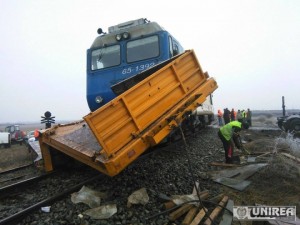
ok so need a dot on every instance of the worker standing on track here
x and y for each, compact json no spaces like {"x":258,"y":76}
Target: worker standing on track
{"x":229,"y":137}
{"x":239,"y":116}
{"x":244,"y":114}
{"x":249,"y":117}
{"x":220,"y":117}
{"x":226,"y":115}
{"x":233,"y":115}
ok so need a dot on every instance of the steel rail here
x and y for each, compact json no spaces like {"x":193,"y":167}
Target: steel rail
{"x":45,"y":202}
{"x":17,"y":168}
{"x":24,"y":182}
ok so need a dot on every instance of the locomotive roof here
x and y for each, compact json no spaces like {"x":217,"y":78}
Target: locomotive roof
{"x":134,"y":30}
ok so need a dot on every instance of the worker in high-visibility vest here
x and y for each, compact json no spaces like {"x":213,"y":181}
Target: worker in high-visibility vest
{"x":229,"y":134}
{"x":244,"y":114}
{"x":239,"y":116}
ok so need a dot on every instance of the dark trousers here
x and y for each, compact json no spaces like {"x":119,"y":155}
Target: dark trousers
{"x":227,"y":147}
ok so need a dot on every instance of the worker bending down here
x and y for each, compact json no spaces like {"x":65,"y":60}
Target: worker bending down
{"x":229,"y":135}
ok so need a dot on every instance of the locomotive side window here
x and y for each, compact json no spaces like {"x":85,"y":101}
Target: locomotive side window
{"x":106,"y":57}
{"x":171,"y":46}
{"x":144,"y":48}
{"x":175,"y":49}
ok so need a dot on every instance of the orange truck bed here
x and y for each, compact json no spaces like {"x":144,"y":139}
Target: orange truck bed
{"x":112,"y":137}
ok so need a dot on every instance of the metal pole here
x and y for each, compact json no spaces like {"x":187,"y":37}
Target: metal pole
{"x":283,"y":106}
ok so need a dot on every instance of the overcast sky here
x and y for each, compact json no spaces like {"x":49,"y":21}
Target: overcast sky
{"x":251,"y":48}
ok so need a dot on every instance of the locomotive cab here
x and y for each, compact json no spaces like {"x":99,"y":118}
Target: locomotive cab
{"x":126,"y":50}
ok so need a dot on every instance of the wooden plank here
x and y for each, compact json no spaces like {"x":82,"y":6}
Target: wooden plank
{"x":223,"y":164}
{"x":190,"y":216}
{"x":262,"y":155}
{"x":216,"y":211}
{"x":179,"y":212}
{"x":199,"y":217}
{"x":169,"y":204}
{"x":227,"y":216}
{"x":204,"y":195}
{"x":291,"y":157}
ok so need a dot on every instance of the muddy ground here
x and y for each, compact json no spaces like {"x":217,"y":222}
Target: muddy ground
{"x":277,"y":184}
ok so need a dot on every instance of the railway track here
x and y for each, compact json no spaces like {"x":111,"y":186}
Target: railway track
{"x":22,"y":197}
{"x":166,"y":171}
{"x":18,"y":174}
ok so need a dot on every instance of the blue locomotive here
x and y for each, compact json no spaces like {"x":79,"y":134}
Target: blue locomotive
{"x":126,"y":50}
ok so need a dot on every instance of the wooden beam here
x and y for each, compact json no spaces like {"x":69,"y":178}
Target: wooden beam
{"x":267,"y":153}
{"x":190,"y":216}
{"x":179,"y":212}
{"x":199,"y":217}
{"x":216,"y":211}
{"x":291,"y":157}
{"x":223,"y":164}
{"x":169,"y":204}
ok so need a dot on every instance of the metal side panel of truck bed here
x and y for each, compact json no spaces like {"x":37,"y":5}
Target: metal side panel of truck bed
{"x":112,"y":137}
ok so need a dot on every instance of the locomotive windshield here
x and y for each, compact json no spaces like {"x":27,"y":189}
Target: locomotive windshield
{"x":106,"y":57}
{"x":136,"y":50}
{"x":143,"y":48}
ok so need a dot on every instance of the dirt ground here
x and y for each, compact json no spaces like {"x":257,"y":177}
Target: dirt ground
{"x":17,"y":155}
{"x":277,"y":184}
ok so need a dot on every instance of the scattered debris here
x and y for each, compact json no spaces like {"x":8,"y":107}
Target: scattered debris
{"x":179,"y":212}
{"x":216,"y":211}
{"x":180,"y":199}
{"x":291,"y":157}
{"x":102,"y":212}
{"x":227,"y":216}
{"x":87,"y":196}
{"x":236,"y":177}
{"x":193,"y":210}
{"x":199,"y":217}
{"x":138,"y":197}
{"x":190,"y":215}
{"x":239,"y":185}
{"x":224,"y":164}
{"x":46,"y":209}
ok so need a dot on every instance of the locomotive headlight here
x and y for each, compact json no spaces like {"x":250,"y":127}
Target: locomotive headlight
{"x":98,"y":99}
{"x":126,"y":35}
{"x":118,"y":37}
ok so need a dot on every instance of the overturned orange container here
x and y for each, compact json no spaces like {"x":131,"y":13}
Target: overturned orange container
{"x":112,"y":137}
